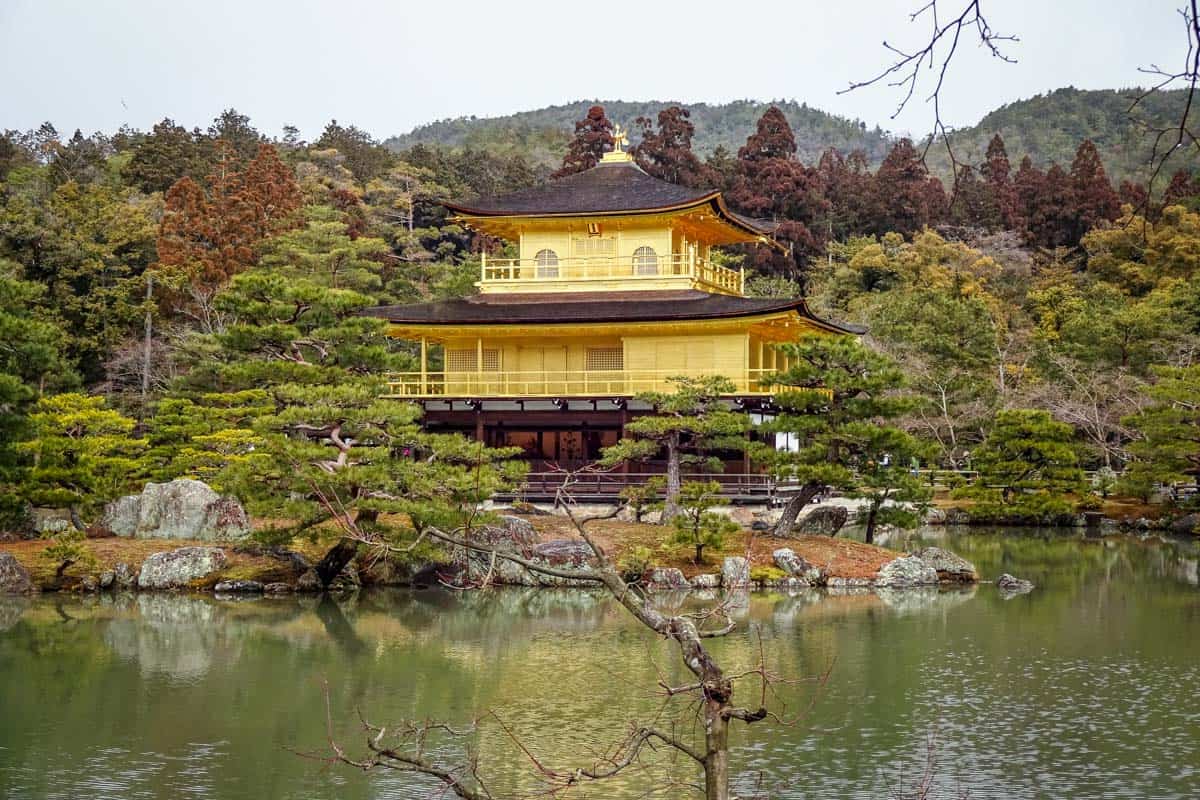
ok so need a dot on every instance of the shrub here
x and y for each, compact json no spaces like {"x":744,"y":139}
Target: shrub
{"x":695,"y":525}
{"x":66,"y":549}
{"x":766,"y":574}
{"x":635,"y":563}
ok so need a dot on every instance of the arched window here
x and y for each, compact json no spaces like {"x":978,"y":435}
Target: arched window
{"x":645,"y":261}
{"x":547,"y":263}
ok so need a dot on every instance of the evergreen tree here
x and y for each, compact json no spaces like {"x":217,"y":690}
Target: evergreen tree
{"x":907,"y":197}
{"x":1003,"y":197}
{"x":1181,"y":187}
{"x":593,"y":138}
{"x":83,"y":455}
{"x":236,"y":132}
{"x":686,"y":421}
{"x":833,"y":395}
{"x":696,"y":525}
{"x":32,"y":362}
{"x":1169,"y":450}
{"x":365,"y":157}
{"x":886,"y":476}
{"x":1026,"y":467}
{"x":666,"y":153}
{"x":1095,"y":200}
{"x":165,"y":155}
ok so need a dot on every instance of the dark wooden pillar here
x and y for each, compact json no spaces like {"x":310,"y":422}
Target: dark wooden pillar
{"x":622,"y":418}
{"x":479,"y":425}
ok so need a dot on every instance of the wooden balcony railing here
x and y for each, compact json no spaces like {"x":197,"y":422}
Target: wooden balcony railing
{"x":527,"y":271}
{"x":554,"y":383}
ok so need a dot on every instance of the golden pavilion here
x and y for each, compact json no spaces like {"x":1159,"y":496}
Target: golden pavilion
{"x":614,"y":291}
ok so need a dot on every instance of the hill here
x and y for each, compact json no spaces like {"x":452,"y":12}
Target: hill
{"x":1047,"y":127}
{"x":542,"y":134}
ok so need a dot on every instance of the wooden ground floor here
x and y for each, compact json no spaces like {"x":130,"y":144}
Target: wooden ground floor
{"x":560,"y":435}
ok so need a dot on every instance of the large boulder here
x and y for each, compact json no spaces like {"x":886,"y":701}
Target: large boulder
{"x":666,"y":579}
{"x":950,"y":567}
{"x":519,"y":529}
{"x":706,"y":580}
{"x":176,"y":569}
{"x":50,"y":520}
{"x":563,"y":553}
{"x":179,"y":509}
{"x":797,"y":568}
{"x":14,"y":578}
{"x":821,"y":521}
{"x":906,"y":571}
{"x":735,"y":572}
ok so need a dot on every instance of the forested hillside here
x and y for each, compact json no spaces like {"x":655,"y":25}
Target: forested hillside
{"x":543,"y":134}
{"x":1047,"y":128}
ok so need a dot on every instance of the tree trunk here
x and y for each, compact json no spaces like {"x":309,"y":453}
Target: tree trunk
{"x":77,"y":520}
{"x":341,"y":554}
{"x":871,"y":524}
{"x":671,"y":502}
{"x":716,"y":751}
{"x":792,"y":510}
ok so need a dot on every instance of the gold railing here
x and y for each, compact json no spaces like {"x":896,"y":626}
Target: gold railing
{"x":555,"y":383}
{"x":518,"y":271}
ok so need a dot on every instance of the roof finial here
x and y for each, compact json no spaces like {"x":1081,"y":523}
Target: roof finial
{"x":618,"y":152}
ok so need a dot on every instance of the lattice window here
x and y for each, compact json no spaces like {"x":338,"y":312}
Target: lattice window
{"x":547,"y":263}
{"x":595,"y":247}
{"x":468,"y":360}
{"x":605,"y":359}
{"x":461,"y":360}
{"x":645,"y":261}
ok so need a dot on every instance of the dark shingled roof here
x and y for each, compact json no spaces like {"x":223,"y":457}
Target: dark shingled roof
{"x":606,"y":188}
{"x":640,"y":306}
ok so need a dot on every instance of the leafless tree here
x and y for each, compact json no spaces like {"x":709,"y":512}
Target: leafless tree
{"x":946,"y":32}
{"x":1180,"y":136}
{"x":906,"y":72}
{"x":710,"y":694}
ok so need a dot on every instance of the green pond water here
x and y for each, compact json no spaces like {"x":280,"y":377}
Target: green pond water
{"x":1085,"y":688}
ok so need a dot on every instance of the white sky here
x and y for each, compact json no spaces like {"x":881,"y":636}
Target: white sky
{"x":389,"y":65}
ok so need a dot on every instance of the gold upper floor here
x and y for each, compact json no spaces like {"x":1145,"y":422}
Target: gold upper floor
{"x":578,"y":254}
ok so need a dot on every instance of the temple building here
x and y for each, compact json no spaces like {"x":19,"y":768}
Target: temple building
{"x":614,"y":291}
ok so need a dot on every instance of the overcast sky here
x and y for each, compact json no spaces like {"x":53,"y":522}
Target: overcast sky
{"x":388,"y":65}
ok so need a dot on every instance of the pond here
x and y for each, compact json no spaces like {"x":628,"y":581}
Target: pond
{"x":1084,"y":688}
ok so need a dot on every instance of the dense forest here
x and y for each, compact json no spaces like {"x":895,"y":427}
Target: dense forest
{"x":1047,"y":128}
{"x":184,"y":302}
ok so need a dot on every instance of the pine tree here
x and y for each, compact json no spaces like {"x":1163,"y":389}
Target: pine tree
{"x":686,"y":421}
{"x":167,"y":154}
{"x":1169,"y":450}
{"x":696,"y":525}
{"x":593,"y":138}
{"x":886,"y":476}
{"x":32,"y":362}
{"x":83,"y":455}
{"x":1026,"y":467}
{"x":833,"y":395}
